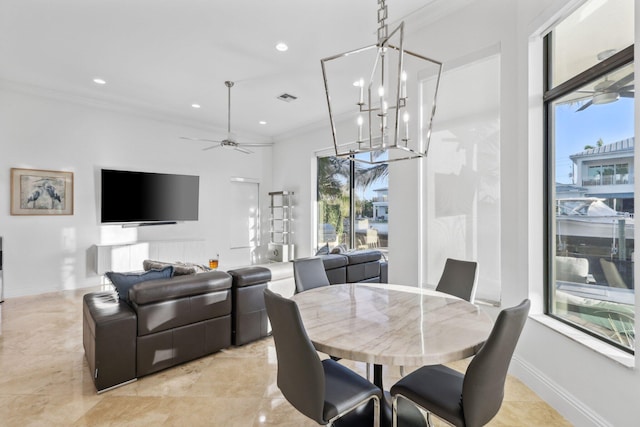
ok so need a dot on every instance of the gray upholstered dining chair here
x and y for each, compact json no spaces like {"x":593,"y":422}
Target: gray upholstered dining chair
{"x":474,"y":398}
{"x":459,"y":279}
{"x":322,"y":390}
{"x":309,"y":273}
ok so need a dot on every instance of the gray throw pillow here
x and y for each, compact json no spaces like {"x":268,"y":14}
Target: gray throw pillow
{"x":323,"y":250}
{"x":340,"y":249}
{"x":179,"y":268}
{"x":124,"y":281}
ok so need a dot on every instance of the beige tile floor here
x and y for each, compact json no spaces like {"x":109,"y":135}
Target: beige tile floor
{"x":45,"y":380}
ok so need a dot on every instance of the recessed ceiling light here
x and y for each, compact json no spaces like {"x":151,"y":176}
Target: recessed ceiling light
{"x":282,"y":47}
{"x":99,"y":81}
{"x":195,"y":105}
{"x":262,"y":122}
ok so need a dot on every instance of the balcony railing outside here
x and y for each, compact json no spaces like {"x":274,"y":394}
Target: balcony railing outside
{"x":608,"y":180}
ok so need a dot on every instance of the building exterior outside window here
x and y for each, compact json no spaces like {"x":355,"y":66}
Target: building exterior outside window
{"x":607,"y":172}
{"x":589,"y":107}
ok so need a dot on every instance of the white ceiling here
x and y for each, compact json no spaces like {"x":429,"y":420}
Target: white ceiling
{"x":161,"y":56}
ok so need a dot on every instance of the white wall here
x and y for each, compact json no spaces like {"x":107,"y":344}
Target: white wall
{"x":49,"y":253}
{"x":294,"y":170}
{"x":585,"y":386}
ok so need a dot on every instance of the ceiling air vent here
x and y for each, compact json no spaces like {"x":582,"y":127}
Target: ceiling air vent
{"x":287,"y":97}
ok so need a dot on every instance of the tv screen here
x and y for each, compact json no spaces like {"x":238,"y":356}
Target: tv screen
{"x":148,"y":197}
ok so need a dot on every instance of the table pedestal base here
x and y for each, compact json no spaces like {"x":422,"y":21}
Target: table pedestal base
{"x":408,"y":414}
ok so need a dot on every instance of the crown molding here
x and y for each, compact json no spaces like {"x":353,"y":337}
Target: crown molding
{"x":430,"y":13}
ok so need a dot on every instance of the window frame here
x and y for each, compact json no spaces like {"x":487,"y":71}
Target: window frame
{"x":618,"y":60}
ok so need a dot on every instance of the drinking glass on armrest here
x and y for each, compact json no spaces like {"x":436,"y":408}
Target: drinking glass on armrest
{"x":213,"y":262}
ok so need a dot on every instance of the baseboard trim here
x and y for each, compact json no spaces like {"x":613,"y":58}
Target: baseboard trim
{"x":559,"y":398}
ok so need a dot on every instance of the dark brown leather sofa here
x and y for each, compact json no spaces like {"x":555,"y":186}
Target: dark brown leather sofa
{"x":169,"y":321}
{"x":355,"y":266}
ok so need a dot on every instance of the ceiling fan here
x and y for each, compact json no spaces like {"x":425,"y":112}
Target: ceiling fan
{"x":230,"y":141}
{"x":608,"y":91}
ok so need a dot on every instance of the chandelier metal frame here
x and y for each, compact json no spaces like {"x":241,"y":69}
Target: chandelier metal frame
{"x":379,"y":138}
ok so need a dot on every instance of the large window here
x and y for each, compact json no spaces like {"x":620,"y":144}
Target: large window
{"x":590,"y":142}
{"x":353,"y":208}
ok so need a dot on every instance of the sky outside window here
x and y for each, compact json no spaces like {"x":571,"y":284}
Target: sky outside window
{"x":576,"y":129}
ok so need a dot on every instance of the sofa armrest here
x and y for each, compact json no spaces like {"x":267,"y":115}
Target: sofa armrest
{"x":249,"y":312}
{"x":109,"y":339}
{"x":249,"y":276}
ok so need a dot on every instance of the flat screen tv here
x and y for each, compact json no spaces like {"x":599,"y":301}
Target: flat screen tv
{"x":148,"y":198}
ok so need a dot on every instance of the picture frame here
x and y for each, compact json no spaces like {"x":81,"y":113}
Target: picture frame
{"x":41,"y":192}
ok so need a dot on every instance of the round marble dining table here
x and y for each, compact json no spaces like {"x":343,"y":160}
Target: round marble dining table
{"x":388,"y":324}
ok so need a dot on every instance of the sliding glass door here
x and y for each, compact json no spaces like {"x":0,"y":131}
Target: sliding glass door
{"x":353,"y":206}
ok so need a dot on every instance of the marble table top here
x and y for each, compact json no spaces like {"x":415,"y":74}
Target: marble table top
{"x":392,"y":324}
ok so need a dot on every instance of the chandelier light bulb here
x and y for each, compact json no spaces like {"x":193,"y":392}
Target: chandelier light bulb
{"x":405,"y":118}
{"x":403,"y":85}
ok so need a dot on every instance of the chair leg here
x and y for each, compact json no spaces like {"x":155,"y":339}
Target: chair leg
{"x":402,"y":370}
{"x":376,"y":409}
{"x":394,"y":412}
{"x":377,"y":414}
{"x":368,"y":368}
{"x":429,"y":423}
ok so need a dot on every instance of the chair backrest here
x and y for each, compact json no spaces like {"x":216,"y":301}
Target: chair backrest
{"x":309,"y":273}
{"x":459,"y":279}
{"x":300,"y":372}
{"x":483,"y":387}
{"x":612,"y":274}
{"x":572,"y":269}
{"x":372,"y":239}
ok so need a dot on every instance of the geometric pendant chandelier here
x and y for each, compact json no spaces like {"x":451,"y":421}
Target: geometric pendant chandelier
{"x":381,"y":98}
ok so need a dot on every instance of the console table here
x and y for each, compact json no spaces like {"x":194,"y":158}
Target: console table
{"x":129,"y":256}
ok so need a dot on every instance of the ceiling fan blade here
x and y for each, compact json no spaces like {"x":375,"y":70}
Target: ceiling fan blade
{"x":587,"y":104}
{"x":212,"y":147}
{"x":622,"y":82}
{"x":626,"y":88}
{"x":242,"y":150}
{"x":627,"y":94}
{"x":579,"y":98}
{"x":200,"y":139}
{"x":256,"y":144}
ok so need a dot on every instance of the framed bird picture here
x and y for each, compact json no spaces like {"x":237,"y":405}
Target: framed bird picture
{"x":41,"y":192}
